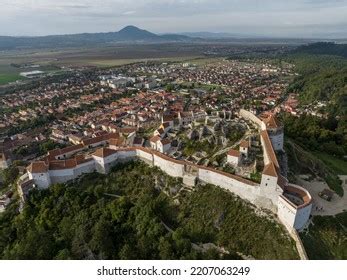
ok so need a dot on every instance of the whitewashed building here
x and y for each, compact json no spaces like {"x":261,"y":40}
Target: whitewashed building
{"x":234,"y":157}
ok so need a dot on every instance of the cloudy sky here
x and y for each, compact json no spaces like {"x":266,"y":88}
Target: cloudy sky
{"x":284,"y":18}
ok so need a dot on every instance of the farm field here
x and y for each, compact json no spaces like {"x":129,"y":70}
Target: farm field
{"x":8,"y":73}
{"x":100,"y":57}
{"x":9,"y":78}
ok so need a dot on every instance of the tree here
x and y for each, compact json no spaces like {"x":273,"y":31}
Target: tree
{"x":10,"y":175}
{"x":169,"y":87}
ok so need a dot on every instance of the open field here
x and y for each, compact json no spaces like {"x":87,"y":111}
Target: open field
{"x":52,"y":60}
{"x":9,"y":78}
{"x":8,"y":73}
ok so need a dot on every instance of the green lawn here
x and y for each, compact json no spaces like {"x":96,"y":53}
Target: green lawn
{"x":8,"y":78}
{"x":338,"y":165}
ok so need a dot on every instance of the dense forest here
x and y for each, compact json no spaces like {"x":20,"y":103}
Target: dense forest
{"x":317,"y":134}
{"x":323,"y":48}
{"x":319,"y":145}
{"x":137,"y":212}
{"x":322,"y":69}
{"x":321,"y":78}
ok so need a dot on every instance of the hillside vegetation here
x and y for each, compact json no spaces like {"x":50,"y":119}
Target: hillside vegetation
{"x":303,"y":161}
{"x":322,"y":69}
{"x":321,"y":78}
{"x":326,"y":238}
{"x":124,"y":216}
{"x":323,"y":48}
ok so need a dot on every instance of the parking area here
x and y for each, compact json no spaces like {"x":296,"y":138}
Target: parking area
{"x":321,"y":206}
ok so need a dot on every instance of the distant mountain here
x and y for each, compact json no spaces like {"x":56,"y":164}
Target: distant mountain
{"x":127,"y":34}
{"x":132,"y":33}
{"x":216,"y":35}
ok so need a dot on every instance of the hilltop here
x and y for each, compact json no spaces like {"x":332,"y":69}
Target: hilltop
{"x":126,"y":215}
{"x":125,"y":35}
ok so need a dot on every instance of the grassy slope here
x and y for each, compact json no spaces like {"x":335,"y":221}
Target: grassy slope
{"x":302,"y":161}
{"x":339,"y":165}
{"x":326,"y":238}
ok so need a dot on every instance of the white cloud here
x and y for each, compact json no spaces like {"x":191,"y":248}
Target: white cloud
{"x":128,"y":13}
{"x":25,"y":17}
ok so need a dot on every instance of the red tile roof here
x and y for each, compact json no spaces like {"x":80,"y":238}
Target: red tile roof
{"x":165,"y":141}
{"x":104,"y":152}
{"x":272,"y":122}
{"x":62,"y":164}
{"x":100,"y":139}
{"x":270,"y":170}
{"x":161,"y":131}
{"x":268,"y":146}
{"x":38,"y":167}
{"x":117,"y":141}
{"x":244,"y":144}
{"x":155,"y":139}
{"x":234,"y":153}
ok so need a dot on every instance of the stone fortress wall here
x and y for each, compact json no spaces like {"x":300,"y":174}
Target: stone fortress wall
{"x":291,"y":203}
{"x":294,"y":203}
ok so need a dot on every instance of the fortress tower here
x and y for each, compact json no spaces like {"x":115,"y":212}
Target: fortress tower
{"x":275,"y":130}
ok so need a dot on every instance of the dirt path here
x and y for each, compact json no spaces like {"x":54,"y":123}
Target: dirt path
{"x":330,"y":208}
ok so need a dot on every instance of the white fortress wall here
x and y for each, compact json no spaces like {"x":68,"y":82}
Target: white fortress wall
{"x":126,"y":155}
{"x":61,"y":175}
{"x":69,"y":154}
{"x":249,"y":116}
{"x":99,"y":164}
{"x":42,"y":180}
{"x":84,"y":168}
{"x":269,"y":194}
{"x":266,"y":156}
{"x":145,"y":156}
{"x":303,"y":211}
{"x":286,"y":212}
{"x":171,"y":168}
{"x":245,"y":191}
{"x":291,"y":215}
{"x":270,"y":189}
{"x":277,"y":141}
{"x":302,"y":216}
{"x":121,"y":156}
{"x":105,"y":164}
